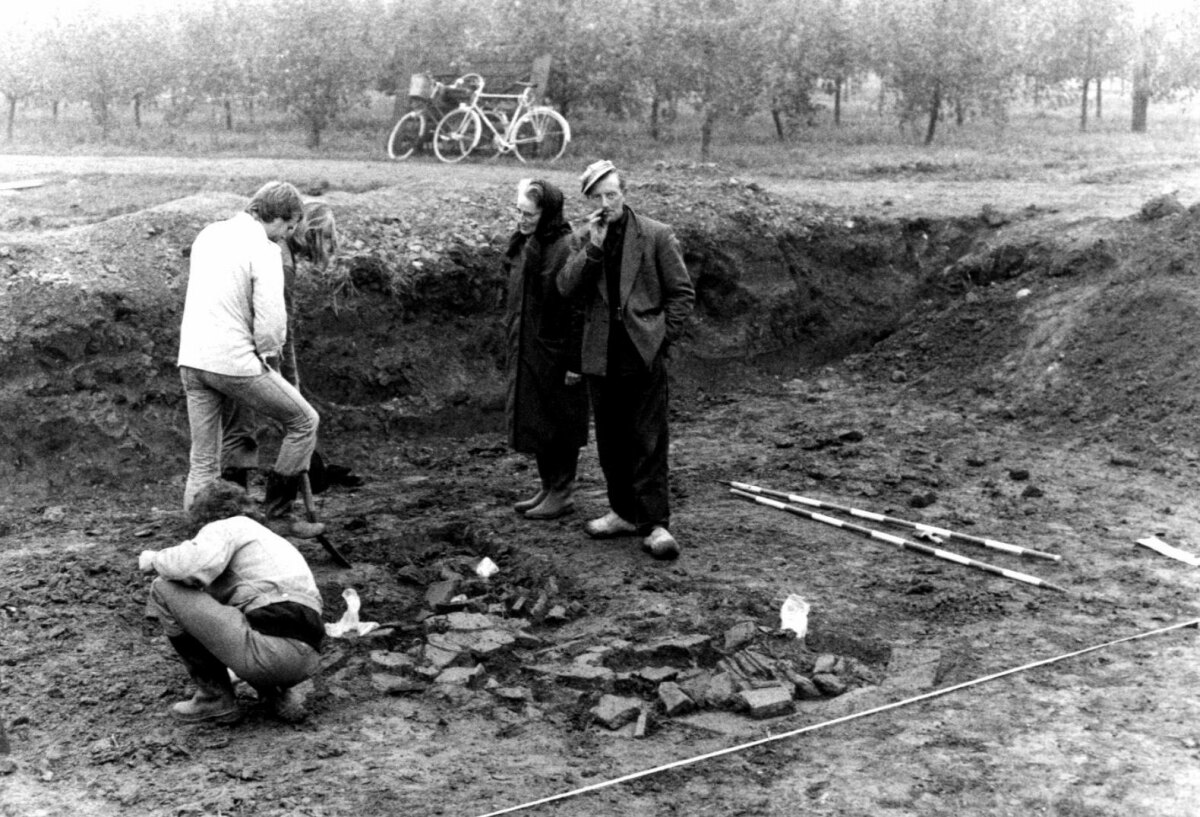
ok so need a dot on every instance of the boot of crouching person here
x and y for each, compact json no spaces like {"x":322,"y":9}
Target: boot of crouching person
{"x":214,"y":700}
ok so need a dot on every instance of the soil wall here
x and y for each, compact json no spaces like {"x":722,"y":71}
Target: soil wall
{"x":406,"y":331}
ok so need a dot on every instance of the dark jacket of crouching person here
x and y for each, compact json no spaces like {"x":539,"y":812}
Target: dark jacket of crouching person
{"x":236,"y":597}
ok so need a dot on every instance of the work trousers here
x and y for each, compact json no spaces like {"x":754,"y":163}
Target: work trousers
{"x":260,"y":660}
{"x":557,"y":467}
{"x":214,"y":399}
{"x":629,"y":407}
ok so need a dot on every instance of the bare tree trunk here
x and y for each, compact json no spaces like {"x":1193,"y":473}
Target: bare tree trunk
{"x":137,"y":111}
{"x":100,"y":114}
{"x":1099,"y":100}
{"x":837,"y":101}
{"x":776,"y":115}
{"x":54,"y":111}
{"x":654,"y":103}
{"x":706,"y":132}
{"x":935,"y":110}
{"x":12,"y":114}
{"x":228,"y":114}
{"x":1083,"y":108}
{"x":1141,"y":98}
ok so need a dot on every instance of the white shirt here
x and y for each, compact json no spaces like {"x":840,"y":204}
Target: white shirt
{"x":234,"y":314}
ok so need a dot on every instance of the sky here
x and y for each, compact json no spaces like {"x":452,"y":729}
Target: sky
{"x":12,"y":10}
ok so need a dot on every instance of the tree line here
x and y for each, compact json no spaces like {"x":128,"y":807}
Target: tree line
{"x":937,"y":60}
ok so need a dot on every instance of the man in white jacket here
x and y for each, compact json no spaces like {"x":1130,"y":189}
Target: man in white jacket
{"x":233,"y":331}
{"x":236,"y":597}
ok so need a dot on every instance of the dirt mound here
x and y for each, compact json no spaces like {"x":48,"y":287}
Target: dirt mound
{"x":1089,"y":328}
{"x":406,"y":330}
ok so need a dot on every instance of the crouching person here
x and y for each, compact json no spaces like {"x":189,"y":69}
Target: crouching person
{"x":236,"y":597}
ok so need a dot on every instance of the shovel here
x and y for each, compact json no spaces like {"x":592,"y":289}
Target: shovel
{"x":306,"y":487}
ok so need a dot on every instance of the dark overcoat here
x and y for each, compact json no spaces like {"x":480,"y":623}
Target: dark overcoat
{"x":544,"y":331}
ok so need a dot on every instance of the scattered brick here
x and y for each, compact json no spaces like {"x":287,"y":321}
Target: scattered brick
{"x":831,"y":685}
{"x":390,"y":684}
{"x":656,"y":675}
{"x":739,"y":635}
{"x":462,"y":676}
{"x":824,"y":664}
{"x":439,"y":594}
{"x":769,"y":702}
{"x":615,"y":711}
{"x":806,"y":690}
{"x":674,"y":700}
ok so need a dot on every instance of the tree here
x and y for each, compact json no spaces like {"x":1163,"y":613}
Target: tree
{"x":217,"y":55}
{"x":105,"y":56}
{"x":1167,"y":60}
{"x":960,"y":53}
{"x":20,"y":77}
{"x":838,"y":49}
{"x":718,"y":59}
{"x":1078,"y":41}
{"x":320,"y":58}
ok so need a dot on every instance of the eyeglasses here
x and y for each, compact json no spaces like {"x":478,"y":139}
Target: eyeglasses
{"x":528,"y":213}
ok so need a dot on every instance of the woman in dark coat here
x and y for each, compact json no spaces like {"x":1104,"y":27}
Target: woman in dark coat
{"x":547,"y":403}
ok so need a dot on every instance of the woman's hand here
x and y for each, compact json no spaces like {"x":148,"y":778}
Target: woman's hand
{"x":572,"y":379}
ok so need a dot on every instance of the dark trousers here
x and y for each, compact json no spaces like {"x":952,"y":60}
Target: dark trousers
{"x":630,"y":410}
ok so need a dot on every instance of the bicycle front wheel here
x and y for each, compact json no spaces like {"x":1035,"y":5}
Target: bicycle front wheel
{"x":407,"y":135}
{"x":542,"y":133}
{"x":457,"y":135}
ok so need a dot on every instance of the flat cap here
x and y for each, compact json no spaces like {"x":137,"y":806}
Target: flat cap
{"x":594,"y":173}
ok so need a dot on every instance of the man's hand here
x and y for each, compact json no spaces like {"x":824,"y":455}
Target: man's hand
{"x":572,"y":379}
{"x":146,"y":561}
{"x":598,"y":228}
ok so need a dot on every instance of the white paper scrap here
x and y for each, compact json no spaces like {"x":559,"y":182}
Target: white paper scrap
{"x":349,"y":622}
{"x":794,"y":615}
{"x":1156,"y":544}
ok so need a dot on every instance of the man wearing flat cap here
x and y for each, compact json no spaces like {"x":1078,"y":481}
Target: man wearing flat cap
{"x":636,"y":295}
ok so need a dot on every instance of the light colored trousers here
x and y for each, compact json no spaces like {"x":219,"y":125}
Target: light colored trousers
{"x":214,"y":399}
{"x":260,"y":660}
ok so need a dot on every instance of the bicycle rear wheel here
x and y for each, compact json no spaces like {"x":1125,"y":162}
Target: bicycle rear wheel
{"x":541,"y":133}
{"x":457,"y":135}
{"x":410,"y":131}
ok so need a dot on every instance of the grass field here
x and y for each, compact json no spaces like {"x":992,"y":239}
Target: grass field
{"x":1033,"y":144}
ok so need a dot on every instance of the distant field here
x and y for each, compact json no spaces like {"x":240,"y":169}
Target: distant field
{"x":1033,"y":144}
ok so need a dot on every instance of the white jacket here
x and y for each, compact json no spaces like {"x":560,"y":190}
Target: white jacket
{"x":234,"y":314}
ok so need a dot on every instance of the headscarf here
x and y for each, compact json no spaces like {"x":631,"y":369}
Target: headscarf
{"x":550,"y":226}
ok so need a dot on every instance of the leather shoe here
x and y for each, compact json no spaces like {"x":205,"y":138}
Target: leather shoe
{"x":608,"y":526}
{"x":556,"y":504}
{"x":661,"y":544}
{"x":531,"y":503}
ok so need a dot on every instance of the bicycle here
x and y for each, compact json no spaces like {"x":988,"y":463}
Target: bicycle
{"x":532,"y":131}
{"x":430,"y":100}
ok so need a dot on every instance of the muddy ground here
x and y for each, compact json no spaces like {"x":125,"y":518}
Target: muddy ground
{"x":933,"y":349}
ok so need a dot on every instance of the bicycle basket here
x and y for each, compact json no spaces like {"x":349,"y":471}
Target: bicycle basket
{"x":421,"y":86}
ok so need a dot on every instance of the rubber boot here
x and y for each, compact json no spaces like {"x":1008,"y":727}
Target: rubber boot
{"x":556,"y":503}
{"x":238,"y":476}
{"x":280,"y":494}
{"x":533,"y":501}
{"x":277,"y":508}
{"x":214,"y":699}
